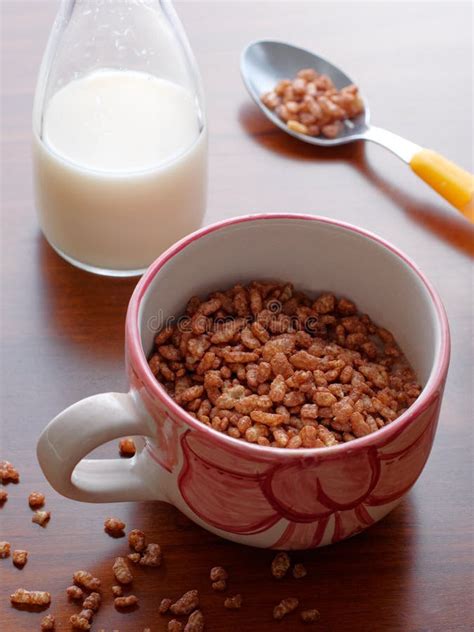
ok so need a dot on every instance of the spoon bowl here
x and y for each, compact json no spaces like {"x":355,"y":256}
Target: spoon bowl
{"x":265,"y":62}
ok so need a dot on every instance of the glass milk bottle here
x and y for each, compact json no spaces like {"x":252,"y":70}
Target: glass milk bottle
{"x":120,"y":137}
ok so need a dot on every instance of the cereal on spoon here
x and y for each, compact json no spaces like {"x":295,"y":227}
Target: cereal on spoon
{"x":311,"y":104}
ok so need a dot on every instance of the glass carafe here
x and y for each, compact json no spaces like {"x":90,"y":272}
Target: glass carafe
{"x":120,"y":137}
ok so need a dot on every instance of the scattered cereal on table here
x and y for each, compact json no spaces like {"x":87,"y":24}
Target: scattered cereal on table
{"x":151,"y":555}
{"x":164,"y":605}
{"x":219,"y":585}
{"x":86,"y":580}
{"x":137,"y":540}
{"x":195,"y":622}
{"x":134,"y":557}
{"x":30,"y":597}
{"x":4,"y":549}
{"x":79,"y":623}
{"x":121,"y":571}
{"x":186,"y":604}
{"x":48,"y":623}
{"x":218,"y":572}
{"x":127,"y":447}
{"x":233,"y":603}
{"x":299,"y":571}
{"x":310,"y":616}
{"x":117,"y":591}
{"x":126,"y":602}
{"x":20,"y":557}
{"x":92,"y":602}
{"x":36,"y":499}
{"x":280,"y":564}
{"x":285,"y":607}
{"x":175,"y":626}
{"x":8,"y":473}
{"x":114,"y":527}
{"x":86,"y":613}
{"x":3,"y":496}
{"x":75,"y":593}
{"x":41,"y":517}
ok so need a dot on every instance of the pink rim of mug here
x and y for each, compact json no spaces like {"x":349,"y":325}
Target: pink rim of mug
{"x":387,"y":433}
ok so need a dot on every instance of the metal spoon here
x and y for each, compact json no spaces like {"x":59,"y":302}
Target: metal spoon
{"x":265,"y":62}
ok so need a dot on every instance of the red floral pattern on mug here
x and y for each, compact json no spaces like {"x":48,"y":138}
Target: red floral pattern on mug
{"x":312,"y":494}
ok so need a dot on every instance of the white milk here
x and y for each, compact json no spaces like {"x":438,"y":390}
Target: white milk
{"x":120,"y":171}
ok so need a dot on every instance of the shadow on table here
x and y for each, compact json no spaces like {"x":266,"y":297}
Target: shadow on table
{"x":440,"y":220}
{"x":83,"y":309}
{"x":273,"y":139}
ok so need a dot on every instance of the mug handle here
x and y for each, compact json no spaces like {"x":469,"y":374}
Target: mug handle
{"x":81,"y":428}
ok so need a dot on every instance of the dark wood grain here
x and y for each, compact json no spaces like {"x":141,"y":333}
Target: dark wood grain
{"x":62,"y":329}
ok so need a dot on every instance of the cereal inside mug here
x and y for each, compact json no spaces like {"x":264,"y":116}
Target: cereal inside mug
{"x":270,"y":365}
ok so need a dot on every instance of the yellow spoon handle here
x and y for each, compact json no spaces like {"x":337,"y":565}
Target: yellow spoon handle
{"x":455,"y":184}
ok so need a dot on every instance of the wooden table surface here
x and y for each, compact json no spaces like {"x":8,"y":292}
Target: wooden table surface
{"x":62,"y":330}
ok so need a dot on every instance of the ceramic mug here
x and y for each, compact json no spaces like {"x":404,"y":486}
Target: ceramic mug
{"x":256,"y":495}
